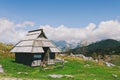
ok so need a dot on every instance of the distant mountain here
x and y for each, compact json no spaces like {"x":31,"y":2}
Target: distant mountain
{"x":63,"y":44}
{"x":108,"y":46}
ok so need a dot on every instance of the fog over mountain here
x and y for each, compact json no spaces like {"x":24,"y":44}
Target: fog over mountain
{"x":63,"y":45}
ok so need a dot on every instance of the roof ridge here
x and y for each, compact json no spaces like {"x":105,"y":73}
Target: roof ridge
{"x":35,"y":30}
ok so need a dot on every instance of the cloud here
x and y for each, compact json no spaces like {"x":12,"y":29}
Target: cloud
{"x":69,"y":34}
{"x":108,"y":29}
{"x":8,"y":31}
{"x":92,"y":32}
{"x":11,"y":33}
{"x":25,"y":24}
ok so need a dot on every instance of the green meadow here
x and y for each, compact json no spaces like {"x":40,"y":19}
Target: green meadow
{"x":78,"y":68}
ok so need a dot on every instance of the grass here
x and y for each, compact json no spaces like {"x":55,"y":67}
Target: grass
{"x":80,"y":69}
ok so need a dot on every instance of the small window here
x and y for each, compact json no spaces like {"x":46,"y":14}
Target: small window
{"x":37,"y":56}
{"x":52,"y":55}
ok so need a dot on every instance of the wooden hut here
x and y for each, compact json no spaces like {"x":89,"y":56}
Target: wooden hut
{"x":35,"y":49}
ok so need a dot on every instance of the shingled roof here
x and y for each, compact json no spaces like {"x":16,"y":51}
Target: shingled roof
{"x":34,"y":42}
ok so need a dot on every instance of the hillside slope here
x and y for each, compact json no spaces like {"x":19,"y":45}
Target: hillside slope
{"x":108,"y":46}
{"x":78,"y":68}
{"x":5,"y":51}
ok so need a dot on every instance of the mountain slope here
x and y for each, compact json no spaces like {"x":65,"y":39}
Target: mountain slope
{"x":108,"y":46}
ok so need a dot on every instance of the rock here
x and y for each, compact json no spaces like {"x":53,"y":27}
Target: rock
{"x":96,"y":60}
{"x":1,"y":69}
{"x":59,"y":60}
{"x":26,"y":73}
{"x":55,"y":75}
{"x":62,"y":54}
{"x":8,"y":78}
{"x":68,"y":76}
{"x":87,"y":65}
{"x":11,"y":79}
{"x":60,"y":76}
{"x":65,"y":61}
{"x":84,"y":57}
{"x":80,"y":55}
{"x":71,"y":54}
{"x":19,"y":73}
{"x":46,"y":68}
{"x":109,"y":64}
{"x":87,"y":58}
{"x":114,"y":75}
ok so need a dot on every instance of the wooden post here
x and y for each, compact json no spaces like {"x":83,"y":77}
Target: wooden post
{"x":48,"y":60}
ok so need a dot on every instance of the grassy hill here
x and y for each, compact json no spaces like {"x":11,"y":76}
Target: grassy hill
{"x":5,"y":51}
{"x":77,"y":67}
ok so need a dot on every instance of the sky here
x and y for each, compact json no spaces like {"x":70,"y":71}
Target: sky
{"x":69,"y":20}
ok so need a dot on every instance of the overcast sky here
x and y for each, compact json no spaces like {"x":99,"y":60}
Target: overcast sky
{"x":70,"y":20}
